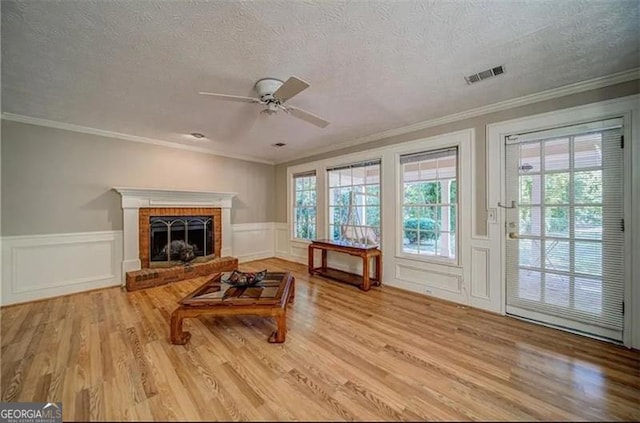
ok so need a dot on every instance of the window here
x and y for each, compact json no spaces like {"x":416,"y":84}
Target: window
{"x":429,"y":203}
{"x":354,"y":202}
{"x":304,"y":209}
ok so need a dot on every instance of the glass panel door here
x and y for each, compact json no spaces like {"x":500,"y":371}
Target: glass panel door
{"x":565,"y":257}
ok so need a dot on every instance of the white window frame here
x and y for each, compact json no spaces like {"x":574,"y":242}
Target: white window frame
{"x":446,"y":280}
{"x":401,"y":205}
{"x":292,"y":205}
{"x":464,"y":205}
{"x":327,"y":169}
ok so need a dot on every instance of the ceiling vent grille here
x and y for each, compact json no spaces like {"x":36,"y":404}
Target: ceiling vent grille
{"x":481,"y":76}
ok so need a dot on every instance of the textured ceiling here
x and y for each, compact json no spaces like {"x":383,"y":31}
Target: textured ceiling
{"x":136,"y":67}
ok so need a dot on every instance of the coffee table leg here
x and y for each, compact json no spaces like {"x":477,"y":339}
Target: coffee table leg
{"x":292,"y":295}
{"x":278,"y":336}
{"x":178,"y":337}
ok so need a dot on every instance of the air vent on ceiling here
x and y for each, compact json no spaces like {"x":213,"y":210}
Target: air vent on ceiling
{"x":279,"y":144}
{"x":480,"y":76}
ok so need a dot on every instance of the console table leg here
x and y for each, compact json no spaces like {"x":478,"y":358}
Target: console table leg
{"x":178,"y":337}
{"x":278,"y":336}
{"x":310,"y":259}
{"x":379,"y":269}
{"x":366,"y":283}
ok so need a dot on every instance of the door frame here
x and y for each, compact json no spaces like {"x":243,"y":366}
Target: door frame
{"x":628,"y":108}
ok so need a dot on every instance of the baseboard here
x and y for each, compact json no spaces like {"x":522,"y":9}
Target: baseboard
{"x":255,"y":256}
{"x":291,"y":258}
{"x":43,"y":266}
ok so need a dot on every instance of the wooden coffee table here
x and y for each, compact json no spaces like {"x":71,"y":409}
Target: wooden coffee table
{"x":269,"y":297}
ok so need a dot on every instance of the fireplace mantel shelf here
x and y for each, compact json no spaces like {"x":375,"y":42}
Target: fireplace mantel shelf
{"x":156,"y":197}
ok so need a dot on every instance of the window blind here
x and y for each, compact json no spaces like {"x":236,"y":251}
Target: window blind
{"x":428,"y":155}
{"x":354,"y":165}
{"x":304,"y":174}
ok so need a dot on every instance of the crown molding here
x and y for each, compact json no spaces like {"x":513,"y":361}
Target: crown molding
{"x":126,"y":137}
{"x":578,"y":87}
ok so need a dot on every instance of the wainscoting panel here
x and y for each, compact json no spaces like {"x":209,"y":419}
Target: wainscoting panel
{"x":480,"y":271}
{"x":42,"y":266}
{"x":430,"y":279}
{"x":253,"y":241}
{"x":299,"y":251}
{"x":485,"y":275}
{"x":282,"y":240}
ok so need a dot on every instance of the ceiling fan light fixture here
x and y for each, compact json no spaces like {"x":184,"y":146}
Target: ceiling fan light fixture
{"x":273,"y":93}
{"x":270,"y":110}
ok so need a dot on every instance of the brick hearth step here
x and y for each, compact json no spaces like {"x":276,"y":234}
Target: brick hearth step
{"x":148,"y":278}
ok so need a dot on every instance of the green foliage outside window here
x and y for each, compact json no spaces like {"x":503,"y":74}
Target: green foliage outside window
{"x":305,"y":207}
{"x":587,"y":191}
{"x":426,"y":226}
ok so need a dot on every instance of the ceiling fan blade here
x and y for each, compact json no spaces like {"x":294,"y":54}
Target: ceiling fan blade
{"x":237,"y":98}
{"x":291,"y":87}
{"x":309,"y":117}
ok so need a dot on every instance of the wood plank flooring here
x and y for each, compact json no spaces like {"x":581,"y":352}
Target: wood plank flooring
{"x":349,"y":355}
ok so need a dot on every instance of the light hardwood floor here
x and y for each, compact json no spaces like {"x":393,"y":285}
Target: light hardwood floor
{"x":349,"y":355}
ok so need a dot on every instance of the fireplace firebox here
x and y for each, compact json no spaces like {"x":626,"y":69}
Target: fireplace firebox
{"x":168,"y":231}
{"x":160,"y":227}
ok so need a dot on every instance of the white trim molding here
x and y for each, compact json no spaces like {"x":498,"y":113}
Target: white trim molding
{"x":156,"y":197}
{"x":42,"y":266}
{"x":628,"y":108}
{"x":135,"y":198}
{"x":126,"y":137}
{"x":578,"y":87}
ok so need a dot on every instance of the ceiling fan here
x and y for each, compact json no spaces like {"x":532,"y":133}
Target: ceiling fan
{"x":273,"y":93}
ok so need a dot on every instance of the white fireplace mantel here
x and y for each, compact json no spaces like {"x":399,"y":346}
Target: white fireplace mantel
{"x":135,"y":198}
{"x":153,"y":197}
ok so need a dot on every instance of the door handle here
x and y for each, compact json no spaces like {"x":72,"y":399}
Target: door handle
{"x":513,"y":235}
{"x":513,"y":205}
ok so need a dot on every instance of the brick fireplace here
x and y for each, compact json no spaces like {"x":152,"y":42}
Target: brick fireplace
{"x":139,"y":205}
